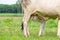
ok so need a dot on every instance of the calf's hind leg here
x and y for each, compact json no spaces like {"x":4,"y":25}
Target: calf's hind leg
{"x":25,"y":23}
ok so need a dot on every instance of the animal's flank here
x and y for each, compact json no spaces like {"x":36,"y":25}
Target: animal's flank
{"x":25,"y":3}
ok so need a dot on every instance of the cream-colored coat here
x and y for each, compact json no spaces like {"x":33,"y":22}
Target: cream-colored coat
{"x":43,"y":10}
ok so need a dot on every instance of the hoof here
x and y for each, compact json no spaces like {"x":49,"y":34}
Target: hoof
{"x":58,"y":36}
{"x":26,"y":35}
{"x":40,"y":35}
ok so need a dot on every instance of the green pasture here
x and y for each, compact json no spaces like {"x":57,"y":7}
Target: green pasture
{"x":10,"y":28}
{"x":11,"y":14}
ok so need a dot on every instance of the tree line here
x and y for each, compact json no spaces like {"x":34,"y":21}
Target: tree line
{"x":10,"y":8}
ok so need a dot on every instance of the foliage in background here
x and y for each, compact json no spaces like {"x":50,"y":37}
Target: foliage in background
{"x":14,"y":8}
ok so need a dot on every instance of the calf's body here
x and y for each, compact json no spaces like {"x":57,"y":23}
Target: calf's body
{"x":43,"y":10}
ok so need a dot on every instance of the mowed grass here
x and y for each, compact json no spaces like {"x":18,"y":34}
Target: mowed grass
{"x":10,"y":29}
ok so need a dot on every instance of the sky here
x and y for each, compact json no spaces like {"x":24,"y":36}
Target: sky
{"x":8,"y":2}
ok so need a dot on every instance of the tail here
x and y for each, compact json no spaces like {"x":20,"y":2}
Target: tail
{"x":22,"y":27}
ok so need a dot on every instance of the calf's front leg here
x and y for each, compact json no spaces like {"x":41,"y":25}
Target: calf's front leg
{"x":58,"y":31}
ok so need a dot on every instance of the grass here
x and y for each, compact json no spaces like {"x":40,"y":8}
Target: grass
{"x":10,"y":29}
{"x":11,"y":14}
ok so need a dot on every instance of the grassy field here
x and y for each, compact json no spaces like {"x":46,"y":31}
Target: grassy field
{"x":10,"y":29}
{"x":11,"y":14}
